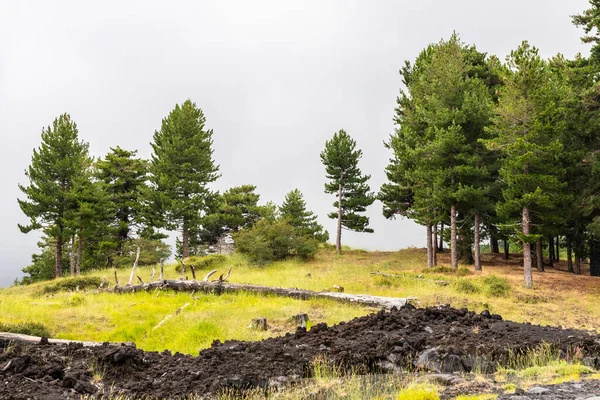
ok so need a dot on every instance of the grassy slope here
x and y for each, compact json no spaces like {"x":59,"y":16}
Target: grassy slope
{"x":559,"y":299}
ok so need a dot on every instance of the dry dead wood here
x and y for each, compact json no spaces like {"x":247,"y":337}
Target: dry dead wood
{"x":28,"y":339}
{"x":220,"y":287}
{"x":137,"y":258}
{"x":168,"y":317}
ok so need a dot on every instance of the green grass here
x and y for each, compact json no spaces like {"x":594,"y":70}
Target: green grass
{"x":26,"y":328}
{"x":95,"y":316}
{"x":419,"y":392}
{"x":567,"y":300}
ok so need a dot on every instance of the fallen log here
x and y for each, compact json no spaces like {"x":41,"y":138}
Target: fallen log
{"x":220,"y":287}
{"x":28,"y":339}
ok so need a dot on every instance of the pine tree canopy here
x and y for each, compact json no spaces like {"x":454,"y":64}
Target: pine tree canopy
{"x":54,"y":166}
{"x":340,"y":158}
{"x":181,"y":168}
{"x":294,"y":210}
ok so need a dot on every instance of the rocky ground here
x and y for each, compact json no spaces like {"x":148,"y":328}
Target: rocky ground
{"x":438,"y":339}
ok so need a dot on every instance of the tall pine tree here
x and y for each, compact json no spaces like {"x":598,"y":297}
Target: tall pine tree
{"x":181,"y":168}
{"x":525,"y":132}
{"x":340,"y":158}
{"x":54,"y":166}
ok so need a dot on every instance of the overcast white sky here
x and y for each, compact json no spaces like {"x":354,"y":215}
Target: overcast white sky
{"x":274,"y":78}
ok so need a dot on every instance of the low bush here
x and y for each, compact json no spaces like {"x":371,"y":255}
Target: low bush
{"x":466,"y":286}
{"x":26,"y":328}
{"x":71,"y":284}
{"x":496,"y":287}
{"x":270,"y":240}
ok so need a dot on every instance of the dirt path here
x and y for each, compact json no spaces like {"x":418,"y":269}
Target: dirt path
{"x":439,"y":339}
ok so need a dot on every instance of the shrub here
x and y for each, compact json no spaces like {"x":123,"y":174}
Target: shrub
{"x":26,"y":328}
{"x":495,"y":286}
{"x":71,"y":284}
{"x":465,"y":286}
{"x":270,"y":240}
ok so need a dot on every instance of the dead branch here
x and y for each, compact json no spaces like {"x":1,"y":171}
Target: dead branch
{"x":162,"y":264}
{"x":211,"y":273}
{"x":137,"y":258}
{"x":141,"y":280}
{"x":169,"y":316}
{"x":221,"y":279}
{"x":153,"y":273}
{"x":28,"y":339}
{"x":193,"y":272}
{"x":7,"y":366}
{"x":116,"y":279}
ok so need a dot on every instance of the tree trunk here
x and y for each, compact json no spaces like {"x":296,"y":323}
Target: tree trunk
{"x":577,"y":266}
{"x":557,"y":253}
{"x":551,"y":250}
{"x":526,"y":250}
{"x":494,"y":246}
{"x":569,"y":256}
{"x":453,"y":249}
{"x":58,"y":256}
{"x":434,"y":247}
{"x":72,"y":258}
{"x":429,"y":246}
{"x":476,"y":240}
{"x":539,"y":255}
{"x":338,"y":237}
{"x":185,"y":241}
{"x":79,"y":254}
{"x":441,"y":249}
{"x":506,"y":249}
{"x":594,"y":257}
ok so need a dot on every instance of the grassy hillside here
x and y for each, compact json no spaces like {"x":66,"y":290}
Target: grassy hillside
{"x":558,"y":299}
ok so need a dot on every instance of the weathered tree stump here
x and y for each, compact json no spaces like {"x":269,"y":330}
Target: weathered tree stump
{"x":259,"y":324}
{"x":301,"y":320}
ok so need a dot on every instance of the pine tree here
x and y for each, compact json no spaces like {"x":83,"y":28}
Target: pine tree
{"x":439,"y":166}
{"x":54,"y":166}
{"x":124,"y":177}
{"x":294,"y":210}
{"x":525,"y":133}
{"x":340,"y":158}
{"x":236,"y":209}
{"x":181,"y":169}
{"x":90,"y":220}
